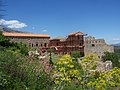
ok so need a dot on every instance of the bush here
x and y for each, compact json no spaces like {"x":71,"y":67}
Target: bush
{"x":113,"y":57}
{"x":75,"y":55}
{"x":21,"y":73}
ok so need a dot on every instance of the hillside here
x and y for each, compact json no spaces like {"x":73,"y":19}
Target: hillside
{"x":5,"y":29}
{"x":118,"y":44}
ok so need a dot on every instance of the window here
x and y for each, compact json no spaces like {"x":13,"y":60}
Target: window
{"x":29,"y":39}
{"x":98,"y":56}
{"x":93,"y":45}
{"x":32,"y":45}
{"x":57,"y":43}
{"x":45,"y":44}
{"x":80,"y":44}
{"x":36,"y":44}
{"x":41,"y":45}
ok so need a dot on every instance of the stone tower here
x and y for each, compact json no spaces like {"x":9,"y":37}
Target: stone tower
{"x":96,"y":46}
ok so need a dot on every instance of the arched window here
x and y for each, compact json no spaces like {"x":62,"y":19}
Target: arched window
{"x":41,"y":45}
{"x":57,"y":43}
{"x":93,"y":45}
{"x":45,"y":44}
{"x":36,"y":44}
{"x":32,"y":45}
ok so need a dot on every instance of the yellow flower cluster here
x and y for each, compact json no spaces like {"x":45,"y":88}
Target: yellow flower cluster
{"x":110,"y":79}
{"x":66,"y":70}
{"x":89,"y":61}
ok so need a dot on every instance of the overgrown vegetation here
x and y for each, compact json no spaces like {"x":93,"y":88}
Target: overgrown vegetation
{"x":5,"y":43}
{"x":75,"y":55}
{"x":117,"y":50}
{"x":113,"y":57}
{"x":18,"y":71}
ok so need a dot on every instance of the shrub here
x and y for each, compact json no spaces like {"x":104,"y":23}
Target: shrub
{"x":75,"y":54}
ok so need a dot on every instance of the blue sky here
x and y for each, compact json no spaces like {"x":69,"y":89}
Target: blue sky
{"x":99,"y":18}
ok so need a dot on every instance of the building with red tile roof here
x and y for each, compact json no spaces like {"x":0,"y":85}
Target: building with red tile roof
{"x":31,"y":40}
{"x":73,"y":42}
{"x":7,"y":34}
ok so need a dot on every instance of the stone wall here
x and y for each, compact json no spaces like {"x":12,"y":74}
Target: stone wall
{"x":96,"y":46}
{"x":32,"y":42}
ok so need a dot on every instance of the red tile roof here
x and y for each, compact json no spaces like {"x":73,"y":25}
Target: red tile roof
{"x":74,"y":33}
{"x":25,"y":34}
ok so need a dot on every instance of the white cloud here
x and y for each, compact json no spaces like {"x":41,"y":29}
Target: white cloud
{"x":114,"y":41}
{"x":44,"y":30}
{"x":12,"y":23}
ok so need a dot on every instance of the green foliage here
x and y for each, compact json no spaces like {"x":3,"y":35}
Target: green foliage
{"x":75,"y":54}
{"x":73,"y":87}
{"x":22,"y":47}
{"x":106,"y":81}
{"x":55,"y":57}
{"x":11,"y":74}
{"x":98,"y":80}
{"x":5,"y":42}
{"x":82,"y":78}
{"x":89,"y":61}
{"x":21,"y":73}
{"x":117,"y":50}
{"x":65,"y":72}
{"x":113,"y":57}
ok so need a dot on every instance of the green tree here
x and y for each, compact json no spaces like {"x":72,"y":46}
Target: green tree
{"x":3,"y":41}
{"x":50,"y":50}
{"x":23,"y":48}
{"x":75,"y":54}
{"x":23,"y":72}
{"x":113,"y":57}
{"x":117,"y":50}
